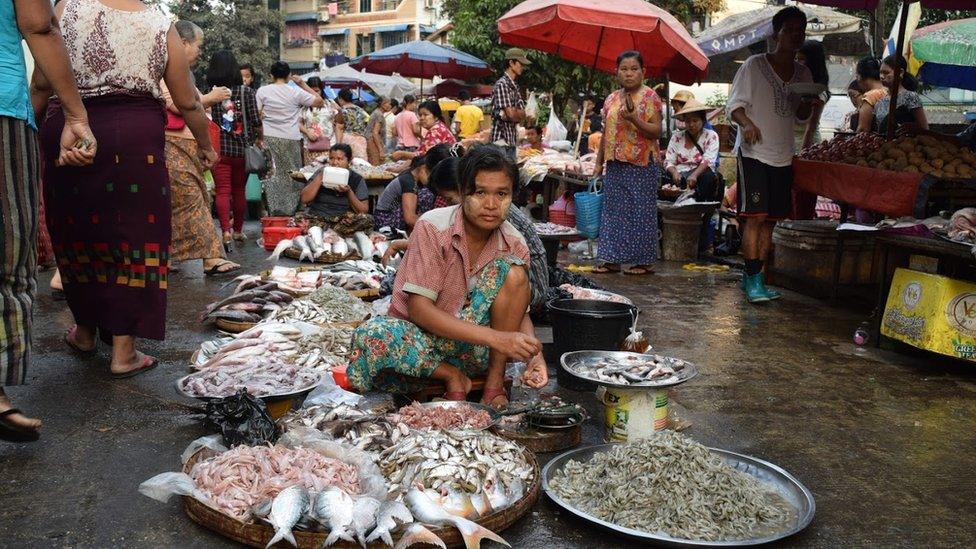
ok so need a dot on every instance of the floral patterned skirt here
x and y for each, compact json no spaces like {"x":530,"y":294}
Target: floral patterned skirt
{"x":396,"y":356}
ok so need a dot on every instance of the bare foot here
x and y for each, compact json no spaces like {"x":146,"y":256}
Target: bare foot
{"x":56,"y":281}
{"x":458,"y":383}
{"x":83,"y":339}
{"x":19,"y":420}
{"x":131,"y":364}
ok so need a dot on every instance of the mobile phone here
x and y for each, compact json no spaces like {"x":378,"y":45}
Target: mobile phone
{"x":630,"y":103}
{"x":82,"y":144}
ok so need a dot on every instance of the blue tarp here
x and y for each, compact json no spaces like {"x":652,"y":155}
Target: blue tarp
{"x":948,"y":76}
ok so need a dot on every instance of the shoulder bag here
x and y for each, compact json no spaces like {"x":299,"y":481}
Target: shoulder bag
{"x":256,"y":160}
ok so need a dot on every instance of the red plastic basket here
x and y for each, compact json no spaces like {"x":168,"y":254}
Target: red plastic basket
{"x":275,"y":221}
{"x":341,"y":378}
{"x":560,"y":217}
{"x":273,"y":235}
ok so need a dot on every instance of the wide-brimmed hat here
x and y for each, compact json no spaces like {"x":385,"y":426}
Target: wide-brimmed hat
{"x":517,"y":54}
{"x":683,"y":96}
{"x":692,"y":106}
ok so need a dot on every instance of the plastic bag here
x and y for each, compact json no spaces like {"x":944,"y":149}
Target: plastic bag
{"x":165,"y":485}
{"x":241,"y":419}
{"x":532,"y":106}
{"x":327,"y":393}
{"x":555,"y":131}
{"x":212,"y":442}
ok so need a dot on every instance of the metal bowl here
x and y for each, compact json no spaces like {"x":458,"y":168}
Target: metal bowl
{"x":495,"y":415}
{"x":571,"y":362}
{"x":267,"y":398}
{"x":781,"y":482}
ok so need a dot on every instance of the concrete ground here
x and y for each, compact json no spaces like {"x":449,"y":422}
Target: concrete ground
{"x":884,"y":441}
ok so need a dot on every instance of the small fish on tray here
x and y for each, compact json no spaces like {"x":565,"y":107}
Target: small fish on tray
{"x":622,"y":368}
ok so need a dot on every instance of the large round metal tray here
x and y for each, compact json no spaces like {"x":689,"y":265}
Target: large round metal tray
{"x":786,"y":485}
{"x":267,"y":398}
{"x":495,"y":416}
{"x":570,"y":362}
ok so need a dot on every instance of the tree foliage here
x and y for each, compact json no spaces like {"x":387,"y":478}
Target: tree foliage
{"x":241,"y":26}
{"x":889,"y":16}
{"x":476,"y":32}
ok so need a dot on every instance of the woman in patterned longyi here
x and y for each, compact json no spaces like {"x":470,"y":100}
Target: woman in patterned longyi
{"x":111,"y":222}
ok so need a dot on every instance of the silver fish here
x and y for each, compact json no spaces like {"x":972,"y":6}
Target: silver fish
{"x":333,"y":509}
{"x":428,"y":511}
{"x":286,"y":510}
{"x":364,"y":245}
{"x":281,"y":247}
{"x":364,"y":512}
{"x":340,"y":248}
{"x":306,"y":250}
{"x":386,"y":520}
{"x":418,"y":533}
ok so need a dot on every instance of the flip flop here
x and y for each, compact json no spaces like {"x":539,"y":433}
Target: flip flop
{"x":603,"y":269}
{"x":639,"y":271}
{"x":12,"y":432}
{"x":86,"y":353}
{"x":488,"y":395}
{"x":148,"y":363}
{"x":457,"y":396}
{"x":215,"y":270}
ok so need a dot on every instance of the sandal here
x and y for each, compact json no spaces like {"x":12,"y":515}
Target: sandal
{"x":488,"y":395}
{"x":603,"y":269}
{"x":457,"y":396}
{"x":215,"y":270}
{"x":227,"y":241}
{"x":240,"y":237}
{"x":86,"y":353}
{"x":11,"y":432}
{"x":148,"y":363}
{"x":639,"y":271}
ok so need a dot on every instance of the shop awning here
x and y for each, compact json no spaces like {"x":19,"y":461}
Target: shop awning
{"x":390,"y":28}
{"x":333,"y":32}
{"x":747,"y":28}
{"x":303,"y":16}
{"x":428,"y":29}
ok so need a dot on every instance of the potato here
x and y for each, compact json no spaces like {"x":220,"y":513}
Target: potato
{"x":895,"y":152}
{"x":911,"y":169}
{"x":876,"y":156}
{"x":862,"y":162}
{"x":906,"y":146}
{"x":937,"y":163}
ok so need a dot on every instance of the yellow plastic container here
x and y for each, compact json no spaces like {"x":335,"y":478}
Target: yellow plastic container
{"x":932,"y":312}
{"x":633,"y":413}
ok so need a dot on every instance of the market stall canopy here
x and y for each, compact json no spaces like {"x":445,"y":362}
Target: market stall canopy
{"x":947,"y":52}
{"x":593,"y":34}
{"x":872,"y":4}
{"x":747,"y":28}
{"x":451,"y":88}
{"x":423,"y":59}
{"x":346,"y":76}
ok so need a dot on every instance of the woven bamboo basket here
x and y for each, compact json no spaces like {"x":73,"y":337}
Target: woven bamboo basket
{"x":258,"y":535}
{"x":233,"y":326}
{"x":325,"y":259}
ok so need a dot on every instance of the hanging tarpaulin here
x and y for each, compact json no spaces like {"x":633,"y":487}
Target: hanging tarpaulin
{"x":744,"y":29}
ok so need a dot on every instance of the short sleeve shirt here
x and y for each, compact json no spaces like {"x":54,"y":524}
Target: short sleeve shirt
{"x":469,"y":119}
{"x":505,"y":94}
{"x":391,"y":198}
{"x":435,"y":136}
{"x":686,"y":157}
{"x":404,"y":127}
{"x":378,"y":118}
{"x":437,"y":261}
{"x":329,"y":203}
{"x":622,"y":141}
{"x":281,"y":106}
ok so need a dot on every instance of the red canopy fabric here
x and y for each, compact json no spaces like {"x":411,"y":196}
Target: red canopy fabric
{"x":593,"y":34}
{"x":872,"y":4}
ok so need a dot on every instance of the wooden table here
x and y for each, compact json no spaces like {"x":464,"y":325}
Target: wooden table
{"x":893,"y":251}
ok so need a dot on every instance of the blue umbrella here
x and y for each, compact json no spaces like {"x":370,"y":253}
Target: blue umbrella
{"x":423,"y":59}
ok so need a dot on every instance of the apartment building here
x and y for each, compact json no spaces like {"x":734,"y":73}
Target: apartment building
{"x":320,"y":31}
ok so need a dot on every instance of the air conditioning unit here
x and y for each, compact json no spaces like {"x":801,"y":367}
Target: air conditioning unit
{"x":430,"y":4}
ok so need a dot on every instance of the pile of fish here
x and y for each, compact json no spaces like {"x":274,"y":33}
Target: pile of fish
{"x":552,"y":229}
{"x":460,"y":416}
{"x":635,"y":369}
{"x":367,"y":431}
{"x":669,"y":483}
{"x":600,"y":295}
{"x":250,"y":301}
{"x":355,"y":274}
{"x":258,"y":375}
{"x":308,"y":311}
{"x":476,"y":473}
{"x":339,"y":305}
{"x":316,"y":243}
{"x":328,"y":341}
{"x":293,"y":280}
{"x":319,"y":351}
{"x":239,"y":479}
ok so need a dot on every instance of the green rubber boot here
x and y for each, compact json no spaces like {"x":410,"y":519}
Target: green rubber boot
{"x":771,"y":294}
{"x":754,"y":289}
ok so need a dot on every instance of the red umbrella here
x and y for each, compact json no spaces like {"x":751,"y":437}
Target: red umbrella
{"x":593,"y":34}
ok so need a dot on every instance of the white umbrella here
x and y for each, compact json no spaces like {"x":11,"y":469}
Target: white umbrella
{"x":394,"y":87}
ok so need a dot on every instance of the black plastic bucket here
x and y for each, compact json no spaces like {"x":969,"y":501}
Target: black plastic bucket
{"x":587,"y":325}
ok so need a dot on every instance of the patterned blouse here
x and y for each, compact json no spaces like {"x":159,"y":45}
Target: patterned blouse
{"x":623,"y":142}
{"x":114,"y":51}
{"x":435,"y":136}
{"x":355,"y":119}
{"x":908,"y":101}
{"x":686,"y":157}
{"x":238,"y":119}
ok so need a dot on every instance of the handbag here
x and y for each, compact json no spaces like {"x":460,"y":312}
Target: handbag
{"x":174,"y":122}
{"x":589,"y":209}
{"x":256,"y":159}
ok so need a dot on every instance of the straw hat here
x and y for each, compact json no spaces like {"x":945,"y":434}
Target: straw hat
{"x":683,"y":96}
{"x":691,"y":106}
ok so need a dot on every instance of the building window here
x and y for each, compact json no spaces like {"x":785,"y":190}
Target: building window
{"x":365,"y":43}
{"x":365,"y":6}
{"x":337,"y":44}
{"x":389,"y":5}
{"x":394,"y":38}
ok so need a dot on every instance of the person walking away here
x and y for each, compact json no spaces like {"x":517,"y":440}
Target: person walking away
{"x":240,"y":127}
{"x":111,"y":222}
{"x":281,"y":106}
{"x":468,"y":118}
{"x":507,"y":106}
{"x":33,"y":21}
{"x":352,"y":128}
{"x":194,"y":236}
{"x":632,"y":125}
{"x":376,"y":132}
{"x":407,"y":126}
{"x":765,"y":112}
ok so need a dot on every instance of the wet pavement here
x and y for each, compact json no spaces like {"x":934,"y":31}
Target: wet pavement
{"x":884,"y":441}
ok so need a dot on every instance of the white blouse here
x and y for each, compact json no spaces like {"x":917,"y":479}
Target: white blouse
{"x":685,"y":156}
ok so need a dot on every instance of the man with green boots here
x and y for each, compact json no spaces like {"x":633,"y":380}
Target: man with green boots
{"x":765,"y":110}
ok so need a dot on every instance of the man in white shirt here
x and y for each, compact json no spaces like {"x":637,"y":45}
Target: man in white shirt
{"x":765,"y":111}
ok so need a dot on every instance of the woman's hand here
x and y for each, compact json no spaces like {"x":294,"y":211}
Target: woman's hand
{"x":692,"y":181}
{"x":536,"y":374}
{"x":598,"y":170}
{"x":516,"y":345}
{"x":208,"y":157}
{"x":629,"y":116}
{"x":395,"y":247}
{"x":751,"y":134}
{"x":78,"y":144}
